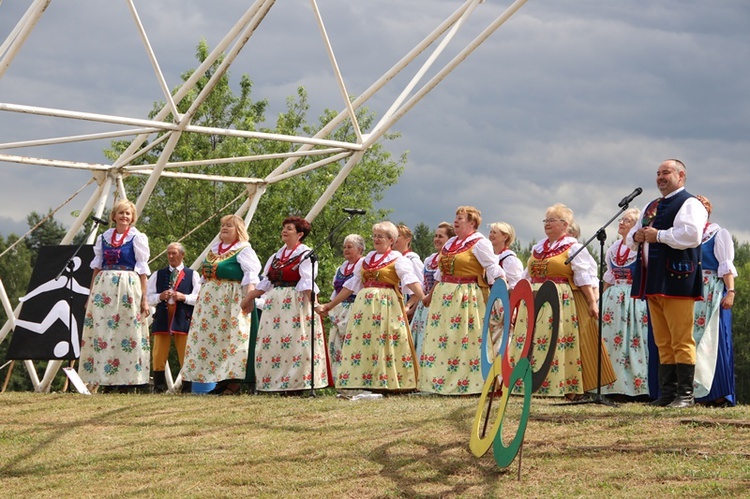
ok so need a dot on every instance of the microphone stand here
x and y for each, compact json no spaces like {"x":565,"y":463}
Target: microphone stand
{"x":313,"y":257}
{"x":601,"y":235}
{"x":70,"y":266}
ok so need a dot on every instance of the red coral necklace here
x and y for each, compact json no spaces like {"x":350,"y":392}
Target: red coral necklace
{"x":374,"y":263}
{"x":223,"y":249}
{"x":114,"y":242}
{"x":622,"y":258}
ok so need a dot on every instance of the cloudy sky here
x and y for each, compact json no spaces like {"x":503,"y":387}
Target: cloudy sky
{"x":572,"y":101}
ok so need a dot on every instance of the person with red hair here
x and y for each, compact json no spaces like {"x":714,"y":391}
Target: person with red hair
{"x":283,"y":360}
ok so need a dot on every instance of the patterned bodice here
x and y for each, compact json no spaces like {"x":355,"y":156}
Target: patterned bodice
{"x":223,"y":267}
{"x":118,"y":257}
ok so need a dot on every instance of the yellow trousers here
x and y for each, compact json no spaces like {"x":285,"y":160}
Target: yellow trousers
{"x":161,"y":349}
{"x":672,"y":322}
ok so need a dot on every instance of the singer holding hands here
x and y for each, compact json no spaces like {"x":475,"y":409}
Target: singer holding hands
{"x":221,"y":330}
{"x":378,"y":351}
{"x":115,"y":341}
{"x":668,"y":274}
{"x":283,"y":360}
{"x":451,"y":349}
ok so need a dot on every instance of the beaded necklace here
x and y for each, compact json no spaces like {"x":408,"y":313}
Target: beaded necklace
{"x":223,"y":250}
{"x":114,"y":242}
{"x":375,"y":263}
{"x":621,"y":258}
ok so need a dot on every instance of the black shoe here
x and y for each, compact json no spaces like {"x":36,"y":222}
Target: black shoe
{"x":219,"y":388}
{"x":668,"y":385}
{"x":187,"y":387}
{"x":684,"y":393}
{"x":160,"y":382}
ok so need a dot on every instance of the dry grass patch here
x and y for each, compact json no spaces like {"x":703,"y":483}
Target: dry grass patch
{"x":401,"y":446}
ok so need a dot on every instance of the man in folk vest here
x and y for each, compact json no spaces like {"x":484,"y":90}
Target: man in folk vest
{"x":173,"y":290}
{"x":668,"y":273}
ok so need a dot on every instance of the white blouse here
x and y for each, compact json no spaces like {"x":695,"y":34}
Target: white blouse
{"x":247,"y":259}
{"x":404,"y":270}
{"x":306,"y":271}
{"x":140,"y":245}
{"x":484,"y":253}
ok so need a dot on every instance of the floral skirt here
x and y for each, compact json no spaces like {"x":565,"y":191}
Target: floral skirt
{"x":712,"y":331}
{"x":282,"y":351}
{"x":450,"y":363}
{"x":219,"y":337}
{"x":625,"y":333}
{"x":565,"y":375}
{"x":418,"y":323}
{"x":339,"y":319}
{"x":377,"y":351}
{"x":115,"y":347}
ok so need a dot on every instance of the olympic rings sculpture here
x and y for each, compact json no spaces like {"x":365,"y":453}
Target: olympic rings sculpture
{"x":506,"y":373}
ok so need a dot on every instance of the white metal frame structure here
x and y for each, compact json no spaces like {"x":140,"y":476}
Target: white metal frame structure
{"x":109,"y":177}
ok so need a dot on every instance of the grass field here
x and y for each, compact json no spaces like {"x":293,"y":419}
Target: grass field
{"x":400,"y":446}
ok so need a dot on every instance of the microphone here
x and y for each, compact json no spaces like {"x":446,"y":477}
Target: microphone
{"x":99,"y":220}
{"x":630,"y":197}
{"x":354,"y":211}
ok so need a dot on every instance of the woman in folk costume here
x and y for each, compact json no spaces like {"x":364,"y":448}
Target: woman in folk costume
{"x":443,"y":232}
{"x":354,"y":248}
{"x":574,"y":366}
{"x":222,"y":326}
{"x":378,"y":352}
{"x":502,"y":235}
{"x":283,"y":350}
{"x":714,"y":370}
{"x":451,"y":350}
{"x":624,"y":319}
{"x":403,"y":246}
{"x":115,"y":350}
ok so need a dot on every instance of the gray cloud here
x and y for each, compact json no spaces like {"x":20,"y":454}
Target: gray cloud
{"x":570,"y":101}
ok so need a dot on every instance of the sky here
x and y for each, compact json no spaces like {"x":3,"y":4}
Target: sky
{"x":571,"y":101}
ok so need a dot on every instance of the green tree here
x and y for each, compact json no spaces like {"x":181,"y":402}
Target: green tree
{"x":15,"y":270}
{"x":741,"y":321}
{"x":421,"y":242}
{"x":49,"y":233}
{"x":177,"y":206}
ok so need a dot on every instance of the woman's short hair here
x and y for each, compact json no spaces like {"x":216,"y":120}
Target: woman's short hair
{"x":239,"y":224}
{"x":357,"y":240}
{"x":505,"y":228}
{"x":300,"y":225}
{"x":386,"y":227}
{"x":472,"y":215}
{"x":574,"y":230}
{"x":634,"y":213}
{"x":561,"y":211}
{"x":448,"y":228}
{"x":124,"y":204}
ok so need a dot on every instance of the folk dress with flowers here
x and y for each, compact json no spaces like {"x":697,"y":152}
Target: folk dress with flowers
{"x":282,"y":351}
{"x":378,"y":352}
{"x":339,"y":315}
{"x":219,"y":337}
{"x":419,"y":320}
{"x":450,"y":363}
{"x":714,"y":367}
{"x":574,"y":365}
{"x":513,"y":269}
{"x":624,"y":325}
{"x":115,"y":346}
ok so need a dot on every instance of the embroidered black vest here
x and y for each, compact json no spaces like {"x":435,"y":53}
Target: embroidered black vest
{"x":671,"y":272}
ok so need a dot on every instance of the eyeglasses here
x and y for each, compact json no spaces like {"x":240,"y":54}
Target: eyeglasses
{"x":379,"y":236}
{"x":626,"y":221}
{"x":550,"y":220}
